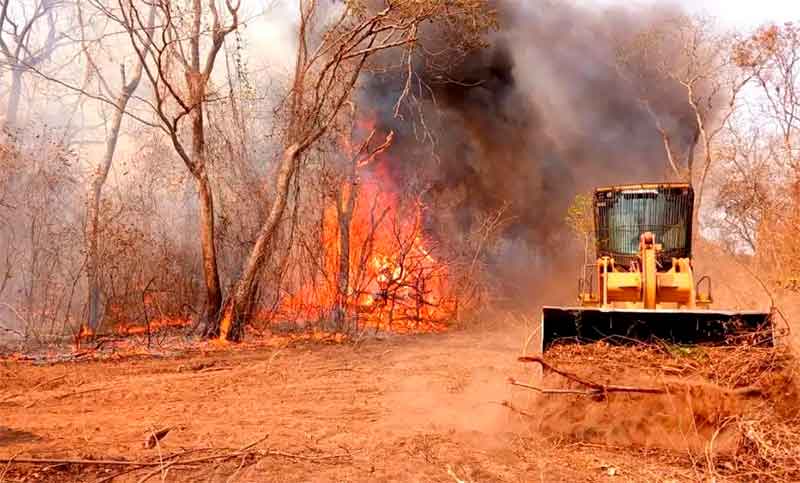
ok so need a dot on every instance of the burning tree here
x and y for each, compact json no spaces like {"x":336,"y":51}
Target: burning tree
{"x":376,"y":268}
{"x":327,"y":69}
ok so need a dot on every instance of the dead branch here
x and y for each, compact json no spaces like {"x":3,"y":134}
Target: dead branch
{"x":598,"y":389}
{"x":592,"y":392}
{"x":160,"y":469}
{"x":68,"y":461}
{"x":515,"y":409}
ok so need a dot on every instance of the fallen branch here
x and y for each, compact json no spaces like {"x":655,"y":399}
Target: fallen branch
{"x":172,"y":461}
{"x":68,"y":461}
{"x":170,"y":458}
{"x":156,"y":471}
{"x":597,"y":388}
{"x":116,"y":475}
{"x":303,"y":457}
{"x":592,"y":392}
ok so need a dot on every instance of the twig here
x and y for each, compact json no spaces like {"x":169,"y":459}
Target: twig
{"x":454,"y":475}
{"x":39,"y":461}
{"x":69,"y":394}
{"x":117,"y":474}
{"x":170,"y":461}
{"x":593,"y":392}
{"x":710,"y":446}
{"x":238,"y":469}
{"x":8,"y":465}
{"x":511,"y":406}
{"x":43,"y":383}
{"x":109,"y":478}
{"x":294,"y":456}
{"x":254,"y":443}
{"x":160,"y":469}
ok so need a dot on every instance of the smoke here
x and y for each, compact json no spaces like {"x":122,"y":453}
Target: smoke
{"x":539,"y":116}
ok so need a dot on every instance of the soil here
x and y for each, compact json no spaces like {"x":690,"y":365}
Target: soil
{"x":405,"y":408}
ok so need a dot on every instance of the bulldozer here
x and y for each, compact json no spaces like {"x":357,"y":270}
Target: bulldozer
{"x":642,"y":286}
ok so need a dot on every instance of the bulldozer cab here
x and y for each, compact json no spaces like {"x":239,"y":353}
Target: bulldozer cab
{"x":623,"y":213}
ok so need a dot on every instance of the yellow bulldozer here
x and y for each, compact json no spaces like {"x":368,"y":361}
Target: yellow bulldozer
{"x":642,"y":286}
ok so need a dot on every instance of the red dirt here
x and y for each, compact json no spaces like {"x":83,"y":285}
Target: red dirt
{"x":401,"y":409}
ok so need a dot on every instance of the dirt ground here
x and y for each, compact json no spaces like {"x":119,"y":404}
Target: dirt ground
{"x":405,"y":408}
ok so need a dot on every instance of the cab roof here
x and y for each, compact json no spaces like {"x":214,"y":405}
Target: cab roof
{"x":643,"y":186}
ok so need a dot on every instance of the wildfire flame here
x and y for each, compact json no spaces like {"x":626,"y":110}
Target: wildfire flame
{"x":155,"y":325}
{"x":130,"y":328}
{"x":394,"y":280}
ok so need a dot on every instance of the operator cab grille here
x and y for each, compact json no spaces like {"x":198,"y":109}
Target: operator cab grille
{"x":623,"y":213}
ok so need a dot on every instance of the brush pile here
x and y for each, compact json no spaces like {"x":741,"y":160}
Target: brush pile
{"x":734,"y":410}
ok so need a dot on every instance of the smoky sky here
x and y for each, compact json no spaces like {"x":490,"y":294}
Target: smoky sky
{"x":540,"y":115}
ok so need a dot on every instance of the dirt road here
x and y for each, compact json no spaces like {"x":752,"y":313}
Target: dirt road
{"x":401,"y":409}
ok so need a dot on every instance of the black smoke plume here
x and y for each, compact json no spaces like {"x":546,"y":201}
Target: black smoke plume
{"x":539,"y":116}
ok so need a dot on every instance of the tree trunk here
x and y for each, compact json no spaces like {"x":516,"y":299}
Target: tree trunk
{"x":93,"y":215}
{"x":231,"y":324}
{"x":92,"y":230}
{"x":690,"y":153}
{"x":344,"y":215}
{"x":196,"y":82}
{"x":14,"y":97}
{"x":210,"y":270}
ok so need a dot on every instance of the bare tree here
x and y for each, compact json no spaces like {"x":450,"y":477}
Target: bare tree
{"x":327,"y":69}
{"x":772,"y":56}
{"x":130,"y":82}
{"x":180,"y":78}
{"x":688,"y":53}
{"x":746,"y":176}
{"x":27,"y":39}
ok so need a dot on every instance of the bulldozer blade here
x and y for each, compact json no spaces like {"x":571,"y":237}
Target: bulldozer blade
{"x":620,"y":326}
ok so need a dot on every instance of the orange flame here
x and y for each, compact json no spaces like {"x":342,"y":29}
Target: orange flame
{"x":155,"y":325}
{"x":394,"y":280}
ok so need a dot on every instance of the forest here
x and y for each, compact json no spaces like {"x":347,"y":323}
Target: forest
{"x":213,"y":176}
{"x":389,"y":167}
